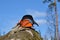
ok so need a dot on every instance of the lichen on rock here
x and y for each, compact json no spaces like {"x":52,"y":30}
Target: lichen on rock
{"x":22,"y":34}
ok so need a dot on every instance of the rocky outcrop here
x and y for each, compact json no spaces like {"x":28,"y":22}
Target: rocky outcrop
{"x":21,"y":34}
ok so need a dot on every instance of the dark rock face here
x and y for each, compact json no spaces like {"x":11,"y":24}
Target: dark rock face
{"x":24,"y":34}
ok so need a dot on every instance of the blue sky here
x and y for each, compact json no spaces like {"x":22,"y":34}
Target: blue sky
{"x":11,"y":11}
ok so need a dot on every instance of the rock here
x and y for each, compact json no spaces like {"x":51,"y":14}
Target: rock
{"x":21,"y":34}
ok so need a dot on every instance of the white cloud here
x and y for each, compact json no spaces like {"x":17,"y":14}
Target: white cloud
{"x":35,"y":13}
{"x":42,"y":21}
